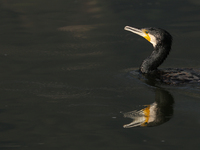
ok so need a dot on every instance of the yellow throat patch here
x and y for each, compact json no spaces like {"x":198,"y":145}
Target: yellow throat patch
{"x":146,"y":35}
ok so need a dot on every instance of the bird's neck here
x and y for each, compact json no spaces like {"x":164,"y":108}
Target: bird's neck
{"x":156,"y":58}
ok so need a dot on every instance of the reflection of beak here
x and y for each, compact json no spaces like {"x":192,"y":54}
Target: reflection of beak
{"x":135,"y":30}
{"x":142,"y":117}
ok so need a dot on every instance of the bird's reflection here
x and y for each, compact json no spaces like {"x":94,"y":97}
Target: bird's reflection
{"x":154,"y":114}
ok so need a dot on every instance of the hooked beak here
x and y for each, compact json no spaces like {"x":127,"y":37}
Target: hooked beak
{"x":142,"y":32}
{"x":135,"y":30}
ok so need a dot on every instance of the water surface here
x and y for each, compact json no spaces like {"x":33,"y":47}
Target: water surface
{"x":64,"y":74}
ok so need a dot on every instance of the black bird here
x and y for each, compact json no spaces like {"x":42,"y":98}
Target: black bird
{"x":162,"y":42}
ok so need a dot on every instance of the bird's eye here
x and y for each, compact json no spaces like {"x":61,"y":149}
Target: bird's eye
{"x":146,"y":32}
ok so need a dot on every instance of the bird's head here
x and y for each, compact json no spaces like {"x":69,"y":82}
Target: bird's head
{"x":154,"y":35}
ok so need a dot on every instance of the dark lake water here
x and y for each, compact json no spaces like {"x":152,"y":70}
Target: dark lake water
{"x":65,"y":75}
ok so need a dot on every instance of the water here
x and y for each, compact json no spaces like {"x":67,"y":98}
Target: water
{"x":64,"y":74}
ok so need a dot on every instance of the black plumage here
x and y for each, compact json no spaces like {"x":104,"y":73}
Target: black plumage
{"x":162,"y":42}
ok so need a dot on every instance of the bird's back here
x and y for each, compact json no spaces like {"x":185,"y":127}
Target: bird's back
{"x":178,"y":76}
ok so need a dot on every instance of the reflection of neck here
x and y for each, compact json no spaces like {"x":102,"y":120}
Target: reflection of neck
{"x":156,"y":58}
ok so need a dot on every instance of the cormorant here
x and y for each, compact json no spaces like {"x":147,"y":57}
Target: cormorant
{"x":162,"y":42}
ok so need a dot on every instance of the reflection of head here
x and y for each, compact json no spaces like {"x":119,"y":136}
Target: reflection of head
{"x":152,"y":115}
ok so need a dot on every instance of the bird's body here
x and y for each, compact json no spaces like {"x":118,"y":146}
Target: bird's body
{"x":176,"y":76}
{"x":162,"y":42}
